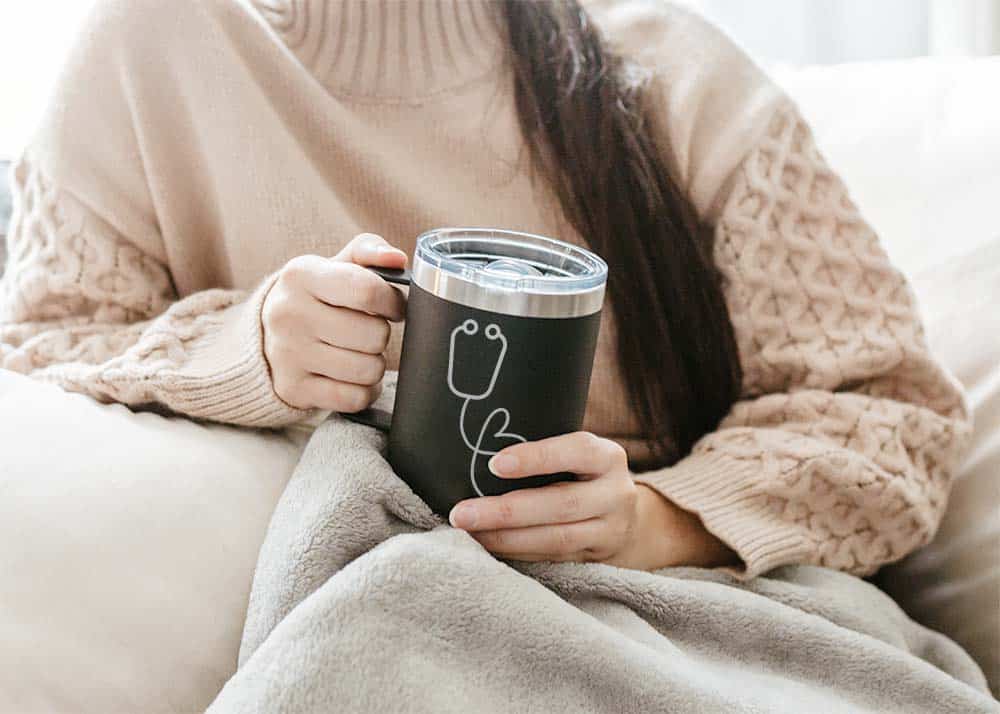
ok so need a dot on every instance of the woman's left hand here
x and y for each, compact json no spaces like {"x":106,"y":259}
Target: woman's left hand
{"x":604,"y":516}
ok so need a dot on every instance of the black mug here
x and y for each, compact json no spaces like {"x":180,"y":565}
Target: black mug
{"x":501,"y":329}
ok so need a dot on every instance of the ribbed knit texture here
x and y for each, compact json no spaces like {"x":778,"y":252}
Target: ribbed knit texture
{"x":389,"y":49}
{"x":187,"y":156}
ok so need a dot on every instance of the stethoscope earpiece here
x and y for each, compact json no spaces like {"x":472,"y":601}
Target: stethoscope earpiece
{"x":493,"y":333}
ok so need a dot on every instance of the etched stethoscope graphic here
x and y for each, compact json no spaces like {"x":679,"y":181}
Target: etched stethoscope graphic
{"x":493,"y":333}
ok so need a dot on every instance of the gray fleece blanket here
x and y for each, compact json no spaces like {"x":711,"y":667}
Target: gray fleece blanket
{"x":365,"y":601}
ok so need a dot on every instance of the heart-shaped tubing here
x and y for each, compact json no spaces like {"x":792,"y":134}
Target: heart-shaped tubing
{"x":498,"y":434}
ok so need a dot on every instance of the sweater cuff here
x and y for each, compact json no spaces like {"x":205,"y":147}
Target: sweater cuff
{"x":723,"y":492}
{"x":229,"y":379}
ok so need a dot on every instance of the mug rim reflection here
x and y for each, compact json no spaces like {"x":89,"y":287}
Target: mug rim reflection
{"x":565,"y":280}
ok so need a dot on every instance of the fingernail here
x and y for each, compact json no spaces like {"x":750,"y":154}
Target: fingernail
{"x":462,"y":516}
{"x":387,"y":249}
{"x":503,"y":464}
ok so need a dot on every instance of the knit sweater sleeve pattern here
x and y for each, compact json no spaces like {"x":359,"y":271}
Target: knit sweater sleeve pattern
{"x":841,"y":450}
{"x":82,"y":307}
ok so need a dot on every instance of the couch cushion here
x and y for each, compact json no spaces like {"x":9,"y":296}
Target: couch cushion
{"x":127,"y":547}
{"x":5,"y":208}
{"x":953,"y":584}
{"x":916,"y":141}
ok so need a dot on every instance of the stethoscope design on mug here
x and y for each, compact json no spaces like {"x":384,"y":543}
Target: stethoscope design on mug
{"x":493,"y":333}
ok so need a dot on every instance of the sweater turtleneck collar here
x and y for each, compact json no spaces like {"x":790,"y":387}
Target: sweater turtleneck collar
{"x":389,"y":49}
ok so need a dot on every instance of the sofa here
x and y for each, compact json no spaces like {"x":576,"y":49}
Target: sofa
{"x":918,"y":143}
{"x":5,"y":209}
{"x":105,"y":596}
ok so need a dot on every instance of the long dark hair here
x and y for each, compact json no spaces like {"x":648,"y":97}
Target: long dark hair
{"x":581,"y":112}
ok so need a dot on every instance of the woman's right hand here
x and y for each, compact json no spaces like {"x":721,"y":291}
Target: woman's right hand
{"x":326,"y":326}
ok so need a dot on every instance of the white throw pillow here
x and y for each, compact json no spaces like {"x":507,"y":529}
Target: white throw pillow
{"x":127,"y":548}
{"x":953,"y":584}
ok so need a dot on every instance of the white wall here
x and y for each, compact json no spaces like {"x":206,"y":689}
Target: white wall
{"x":835,"y":31}
{"x":34,"y":35}
{"x":823,"y":31}
{"x":965,"y":27}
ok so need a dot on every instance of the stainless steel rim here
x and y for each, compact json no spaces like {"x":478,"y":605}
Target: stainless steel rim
{"x":544,"y":299}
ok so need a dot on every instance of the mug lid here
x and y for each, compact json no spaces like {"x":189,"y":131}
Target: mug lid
{"x":510,"y":272}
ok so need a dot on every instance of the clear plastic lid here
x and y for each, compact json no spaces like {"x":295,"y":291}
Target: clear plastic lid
{"x":489,"y":268}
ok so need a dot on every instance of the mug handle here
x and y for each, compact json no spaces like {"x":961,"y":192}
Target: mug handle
{"x":379,"y":418}
{"x":398,"y":276}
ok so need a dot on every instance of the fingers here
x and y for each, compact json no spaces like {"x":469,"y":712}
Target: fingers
{"x":325,"y":326}
{"x":564,"y":541}
{"x":342,"y":365}
{"x":324,"y":393}
{"x":581,"y":453}
{"x":347,"y":285}
{"x":559,"y":503}
{"x":586,"y":520}
{"x":342,"y":327}
{"x":371,"y":249}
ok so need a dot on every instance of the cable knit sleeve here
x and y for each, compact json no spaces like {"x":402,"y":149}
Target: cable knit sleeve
{"x":841,"y":451}
{"x":89,"y":297}
{"x":83,"y":307}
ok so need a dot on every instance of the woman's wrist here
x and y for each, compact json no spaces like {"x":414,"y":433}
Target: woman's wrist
{"x":668,"y":536}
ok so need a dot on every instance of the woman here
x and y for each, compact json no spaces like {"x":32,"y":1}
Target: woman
{"x":762,"y":393}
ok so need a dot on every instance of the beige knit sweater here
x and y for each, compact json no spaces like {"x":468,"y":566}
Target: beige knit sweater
{"x":191,"y":148}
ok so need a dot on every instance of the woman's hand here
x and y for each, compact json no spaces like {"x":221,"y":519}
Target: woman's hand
{"x":604,"y":516}
{"x":326,"y":325}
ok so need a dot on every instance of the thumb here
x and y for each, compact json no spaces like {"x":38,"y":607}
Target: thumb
{"x":371,"y":249}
